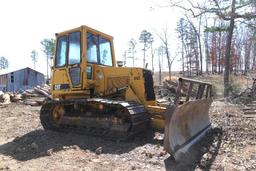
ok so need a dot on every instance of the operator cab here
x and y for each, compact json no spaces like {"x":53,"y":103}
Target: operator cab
{"x":77,"y":52}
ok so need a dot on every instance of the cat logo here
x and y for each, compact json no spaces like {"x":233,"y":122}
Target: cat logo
{"x":56,"y":87}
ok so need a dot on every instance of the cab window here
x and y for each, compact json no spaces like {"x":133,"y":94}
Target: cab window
{"x":61,"y":51}
{"x":98,"y":50}
{"x":74,"y":51}
{"x":105,"y":52}
{"x":92,"y":48}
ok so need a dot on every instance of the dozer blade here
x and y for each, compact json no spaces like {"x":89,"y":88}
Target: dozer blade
{"x":186,"y":125}
{"x":186,"y":122}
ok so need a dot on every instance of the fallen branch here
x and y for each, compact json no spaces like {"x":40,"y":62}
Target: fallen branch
{"x":43,"y":92}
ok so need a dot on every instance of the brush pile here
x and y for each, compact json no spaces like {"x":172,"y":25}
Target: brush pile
{"x":25,"y":96}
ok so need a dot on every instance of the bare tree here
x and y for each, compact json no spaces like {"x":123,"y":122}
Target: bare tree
{"x":181,"y":32}
{"x":190,"y":47}
{"x":125,"y":56}
{"x":132,"y":50}
{"x":198,"y":35}
{"x":160,"y":53}
{"x":165,"y":38}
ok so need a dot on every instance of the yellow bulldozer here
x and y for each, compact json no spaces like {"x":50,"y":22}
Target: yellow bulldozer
{"x":90,"y":94}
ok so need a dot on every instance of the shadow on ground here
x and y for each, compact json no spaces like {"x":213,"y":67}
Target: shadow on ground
{"x":37,"y":144}
{"x":22,"y":148}
{"x":201,"y":156}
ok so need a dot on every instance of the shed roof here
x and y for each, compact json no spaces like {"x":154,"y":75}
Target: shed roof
{"x":20,"y":70}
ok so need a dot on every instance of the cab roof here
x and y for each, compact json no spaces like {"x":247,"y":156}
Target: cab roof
{"x":84,"y":27}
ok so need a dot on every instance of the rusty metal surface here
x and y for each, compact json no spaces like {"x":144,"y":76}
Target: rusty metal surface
{"x":193,"y":89}
{"x":185,"y":124}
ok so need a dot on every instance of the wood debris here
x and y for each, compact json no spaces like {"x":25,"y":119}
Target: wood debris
{"x":26,"y":96}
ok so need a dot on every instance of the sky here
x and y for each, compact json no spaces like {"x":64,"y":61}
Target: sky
{"x":24,"y":23}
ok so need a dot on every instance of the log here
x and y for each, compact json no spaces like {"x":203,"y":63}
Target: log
{"x":40,"y":101}
{"x":16,"y":97}
{"x":45,"y":89}
{"x":26,"y":94}
{"x":42,"y":92}
{"x":5,"y":98}
{"x":32,"y":103}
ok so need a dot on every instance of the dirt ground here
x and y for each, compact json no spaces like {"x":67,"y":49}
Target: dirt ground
{"x":25,"y":145}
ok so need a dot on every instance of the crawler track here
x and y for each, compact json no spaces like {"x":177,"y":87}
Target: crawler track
{"x":100,"y":117}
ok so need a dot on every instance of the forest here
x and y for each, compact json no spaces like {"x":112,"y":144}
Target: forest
{"x":214,"y":37}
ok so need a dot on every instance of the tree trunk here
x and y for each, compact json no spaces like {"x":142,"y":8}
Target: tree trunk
{"x":219,"y":55}
{"x":200,"y":47}
{"x":206,"y":49}
{"x":228,"y":50}
{"x":248,"y":55}
{"x":144,"y":56}
{"x":182,"y":54}
{"x":152,"y":56}
{"x":168,"y":60}
{"x":160,"y":69}
{"x":254,"y":56}
{"x":206,"y":60}
{"x":47,"y":68}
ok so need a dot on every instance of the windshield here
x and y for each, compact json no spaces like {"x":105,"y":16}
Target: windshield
{"x":72,"y":47}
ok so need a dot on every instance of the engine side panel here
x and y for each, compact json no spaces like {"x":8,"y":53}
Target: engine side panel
{"x":137,"y":79}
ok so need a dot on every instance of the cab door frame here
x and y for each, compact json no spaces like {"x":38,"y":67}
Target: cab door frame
{"x":74,"y":70}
